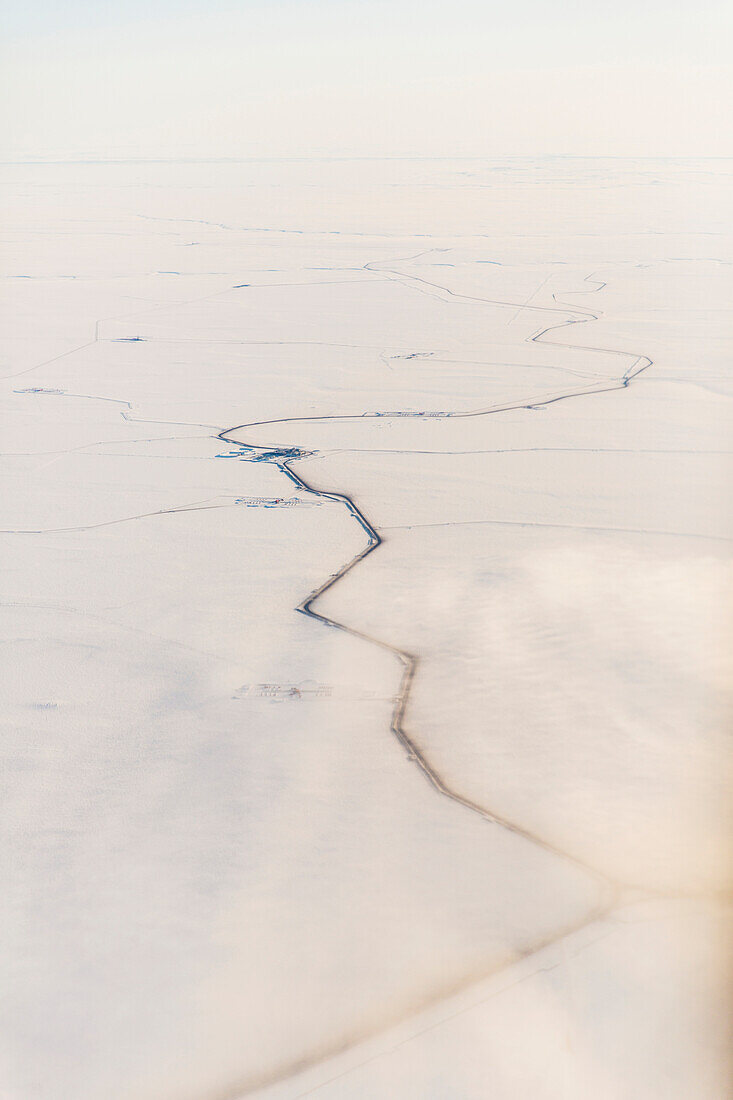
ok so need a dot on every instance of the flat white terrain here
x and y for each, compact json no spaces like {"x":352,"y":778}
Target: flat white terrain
{"x":366,"y":602}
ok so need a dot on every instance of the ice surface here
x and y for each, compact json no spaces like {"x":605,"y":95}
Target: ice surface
{"x":460,"y":829}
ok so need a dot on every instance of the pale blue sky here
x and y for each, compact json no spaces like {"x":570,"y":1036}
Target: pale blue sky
{"x":366,"y":77}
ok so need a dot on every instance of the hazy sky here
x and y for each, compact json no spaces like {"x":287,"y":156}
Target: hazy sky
{"x":366,"y":77}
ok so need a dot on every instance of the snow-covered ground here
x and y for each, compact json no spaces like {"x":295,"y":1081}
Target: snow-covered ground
{"x":458,"y":829}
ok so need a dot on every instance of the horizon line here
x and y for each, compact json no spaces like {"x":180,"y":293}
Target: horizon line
{"x":41,"y":160}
